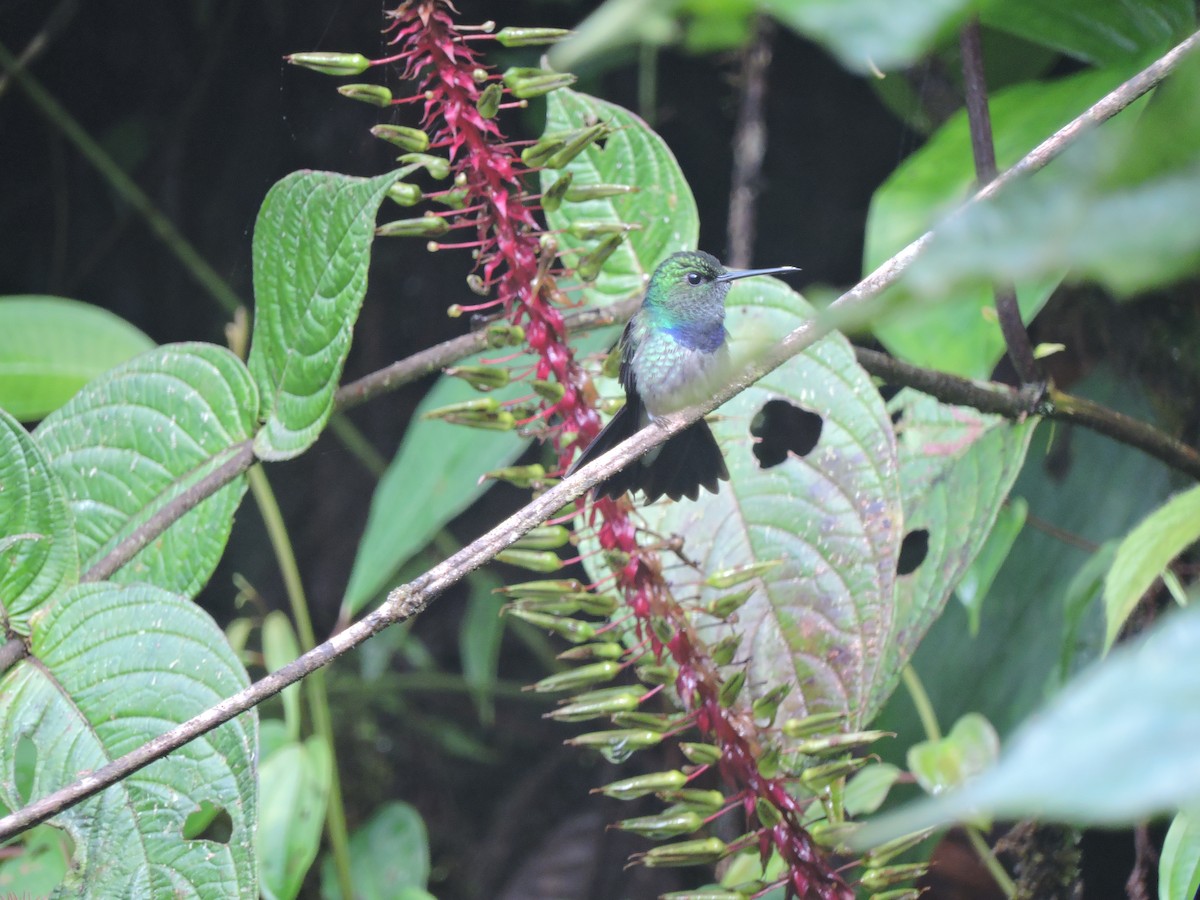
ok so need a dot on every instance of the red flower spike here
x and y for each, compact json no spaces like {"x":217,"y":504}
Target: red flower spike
{"x":497,"y":205}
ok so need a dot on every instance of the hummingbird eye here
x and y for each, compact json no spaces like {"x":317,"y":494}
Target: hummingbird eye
{"x":694,"y":277}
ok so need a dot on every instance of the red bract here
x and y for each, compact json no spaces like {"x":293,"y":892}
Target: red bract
{"x":446,"y":70}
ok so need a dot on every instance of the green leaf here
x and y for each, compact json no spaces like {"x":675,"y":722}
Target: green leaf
{"x":312,"y":246}
{"x":479,"y":638}
{"x":867,"y":790}
{"x":113,"y":666}
{"x":974,"y":585}
{"x":662,"y":208}
{"x":39,"y":867}
{"x":1117,"y":746}
{"x":957,"y":337}
{"x":389,"y":855}
{"x":433,"y":477}
{"x":141,"y":435}
{"x":957,"y":466}
{"x":1083,"y":633}
{"x":294,"y":788}
{"x":819,"y":620}
{"x":1145,"y":552}
{"x":280,"y":647}
{"x":971,"y":747}
{"x":871,"y":34}
{"x":1101,"y":32}
{"x":1179,"y":865}
{"x":38,"y":552}
{"x":50,"y":347}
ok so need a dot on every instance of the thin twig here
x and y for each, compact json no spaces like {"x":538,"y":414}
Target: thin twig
{"x":406,"y":601}
{"x":1008,"y":313}
{"x":749,"y":146}
{"x":1034,"y":400}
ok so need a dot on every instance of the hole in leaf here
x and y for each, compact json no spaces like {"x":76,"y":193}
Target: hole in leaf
{"x":782,"y":428}
{"x":913,"y":550}
{"x":25,"y":767}
{"x":208,"y":822}
{"x":897,"y":415}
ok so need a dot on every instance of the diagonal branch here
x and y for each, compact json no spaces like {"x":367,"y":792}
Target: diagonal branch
{"x":406,"y":601}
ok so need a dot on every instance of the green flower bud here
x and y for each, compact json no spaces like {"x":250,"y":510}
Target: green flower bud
{"x":617,"y":744}
{"x":765,"y":707}
{"x":526,"y":83}
{"x":732,"y":688}
{"x":578,"y":677}
{"x":874,"y":879}
{"x":475,"y":405}
{"x":533,"y":560}
{"x":483,"y":378}
{"x":594,"y":709}
{"x":374,"y":94}
{"x":574,"y":146}
{"x":530,"y":37}
{"x":455,"y":199}
{"x":500,"y":334}
{"x":713,"y":894}
{"x":404,"y":193}
{"x":589,"y":230}
{"x":878,"y":856}
{"x":412,"y":140}
{"x":588,"y":268}
{"x":724,"y":650}
{"x":832,"y":835}
{"x":814,"y":724}
{"x":425,"y":226}
{"x":544,"y":537}
{"x":902,"y":894}
{"x":581,"y":192}
{"x":700,"y":754}
{"x":573,"y":630}
{"x":593,"y":651}
{"x":768,"y":813}
{"x":331,"y":63}
{"x":663,"y":826}
{"x":652,"y":721}
{"x":521,"y":476}
{"x":553,"y":197}
{"x":838,"y":743}
{"x":699,"y":852}
{"x":725,"y":606}
{"x":704,"y":802}
{"x":642,"y":785}
{"x":559,"y":606}
{"x":655,"y":674}
{"x":537,"y":154}
{"x":817,"y":778}
{"x":488,"y":103}
{"x":547,"y":587}
{"x":736,"y":575}
{"x":769,"y":764}
{"x":549,"y":390}
{"x":438,"y":167}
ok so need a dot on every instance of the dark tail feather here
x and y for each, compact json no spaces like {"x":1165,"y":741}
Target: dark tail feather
{"x":679,"y":468}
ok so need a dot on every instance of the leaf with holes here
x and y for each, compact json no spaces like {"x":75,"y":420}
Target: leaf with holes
{"x":111,"y":667}
{"x":812,"y":461}
{"x":50,"y":347}
{"x":142,"y":435}
{"x":38,"y":551}
{"x":312,"y":246}
{"x":661,"y":209}
{"x":957,"y":466}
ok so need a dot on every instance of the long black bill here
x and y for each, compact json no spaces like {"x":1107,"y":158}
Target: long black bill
{"x":734,"y":274}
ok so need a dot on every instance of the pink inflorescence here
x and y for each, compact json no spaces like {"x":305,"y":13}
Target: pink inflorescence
{"x":507,"y":237}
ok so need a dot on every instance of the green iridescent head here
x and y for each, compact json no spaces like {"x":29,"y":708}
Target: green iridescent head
{"x":695,"y":280}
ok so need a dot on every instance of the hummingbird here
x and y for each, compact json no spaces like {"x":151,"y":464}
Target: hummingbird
{"x":674,"y":353}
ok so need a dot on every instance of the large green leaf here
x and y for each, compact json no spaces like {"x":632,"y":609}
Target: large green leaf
{"x":294,"y":789}
{"x":389,"y":855}
{"x":312,"y":246}
{"x":662,"y":208}
{"x":38,"y":552}
{"x":957,"y":466}
{"x":871,"y":34}
{"x":1117,"y":746}
{"x":819,"y":619}
{"x":50,"y":347}
{"x":1095,"y":31}
{"x":111,"y":667}
{"x":1179,"y":866}
{"x":956,"y":336}
{"x":141,"y":435}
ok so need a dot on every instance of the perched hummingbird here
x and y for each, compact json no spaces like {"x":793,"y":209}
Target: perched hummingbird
{"x":673,"y":354}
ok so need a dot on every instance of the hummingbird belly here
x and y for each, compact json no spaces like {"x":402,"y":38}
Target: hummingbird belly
{"x":671,"y":376}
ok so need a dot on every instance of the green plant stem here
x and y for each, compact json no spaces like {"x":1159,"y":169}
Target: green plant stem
{"x":358,"y":445}
{"x":647,"y":84}
{"x":318,"y":696}
{"x":988,"y":858}
{"x":920,"y":699}
{"x":125,"y":187}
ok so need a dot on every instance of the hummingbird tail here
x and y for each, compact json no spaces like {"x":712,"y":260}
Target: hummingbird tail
{"x":687,"y":462}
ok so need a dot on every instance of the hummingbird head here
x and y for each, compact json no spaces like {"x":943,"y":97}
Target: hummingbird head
{"x":690,"y":287}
